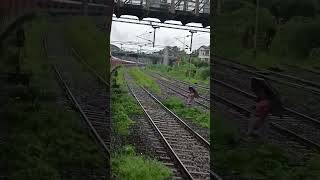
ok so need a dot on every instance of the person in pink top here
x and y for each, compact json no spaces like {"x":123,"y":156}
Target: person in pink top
{"x":191,"y":95}
{"x":258,"y":124}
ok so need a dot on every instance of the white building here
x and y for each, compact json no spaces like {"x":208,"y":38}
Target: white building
{"x":204,"y":53}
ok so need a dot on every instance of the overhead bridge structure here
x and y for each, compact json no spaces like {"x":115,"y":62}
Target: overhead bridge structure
{"x":13,"y":10}
{"x":185,"y":11}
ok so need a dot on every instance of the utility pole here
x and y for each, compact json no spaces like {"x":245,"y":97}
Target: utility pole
{"x":154,"y":33}
{"x":192,"y":32}
{"x":256,"y":29}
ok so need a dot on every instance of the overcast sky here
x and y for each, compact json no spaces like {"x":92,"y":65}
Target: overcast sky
{"x":125,"y":32}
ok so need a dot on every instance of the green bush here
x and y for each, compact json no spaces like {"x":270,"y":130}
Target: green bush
{"x":144,"y":80}
{"x":192,"y":113}
{"x":203,"y":73}
{"x":123,"y":105}
{"x":298,"y":38}
{"x":127,"y":165}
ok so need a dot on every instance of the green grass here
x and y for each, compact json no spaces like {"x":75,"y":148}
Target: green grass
{"x":123,"y":105}
{"x":254,"y":158}
{"x":128,"y":165}
{"x":144,"y":80}
{"x":199,"y":74}
{"x":199,"y":117}
{"x":90,"y":42}
{"x":45,"y":137}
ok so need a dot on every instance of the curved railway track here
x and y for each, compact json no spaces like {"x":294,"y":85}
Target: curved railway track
{"x":190,"y":151}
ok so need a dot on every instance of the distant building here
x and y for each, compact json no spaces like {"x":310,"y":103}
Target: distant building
{"x":204,"y":53}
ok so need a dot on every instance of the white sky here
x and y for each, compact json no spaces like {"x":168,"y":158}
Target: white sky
{"x":125,"y":32}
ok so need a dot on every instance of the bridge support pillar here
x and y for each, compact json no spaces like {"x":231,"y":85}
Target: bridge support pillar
{"x":147,"y":5}
{"x":185,"y":3}
{"x":172,"y":6}
{"x":197,"y":8}
{"x":85,"y":7}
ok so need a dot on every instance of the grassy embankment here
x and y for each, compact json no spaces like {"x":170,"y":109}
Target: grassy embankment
{"x":200,"y":71}
{"x":197,"y":116}
{"x":45,"y":138}
{"x":254,"y":159}
{"x":144,"y":80}
{"x":126,"y":163}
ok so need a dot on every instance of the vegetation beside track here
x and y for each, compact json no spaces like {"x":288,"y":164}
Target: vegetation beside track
{"x":200,"y":71}
{"x":254,"y":159}
{"x":191,"y":113}
{"x":144,"y":80}
{"x":44,"y":138}
{"x":126,"y":163}
{"x":90,"y":43}
{"x":123,"y":105}
{"x":288,"y":32}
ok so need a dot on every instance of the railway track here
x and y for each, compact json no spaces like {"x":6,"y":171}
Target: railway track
{"x":294,"y":80}
{"x":86,"y":91}
{"x":203,"y":89}
{"x":295,"y":96}
{"x":304,"y":128}
{"x":305,"y":73}
{"x":188,"y":149}
{"x":202,"y":101}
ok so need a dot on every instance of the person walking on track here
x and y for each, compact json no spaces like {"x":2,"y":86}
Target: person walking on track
{"x":191,"y":95}
{"x":258,"y":123}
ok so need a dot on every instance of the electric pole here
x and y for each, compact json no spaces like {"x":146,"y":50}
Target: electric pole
{"x":154,"y":33}
{"x":192,"y":32}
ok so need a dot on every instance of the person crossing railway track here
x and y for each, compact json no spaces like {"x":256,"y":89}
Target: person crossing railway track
{"x":192,"y":93}
{"x":268,"y":102}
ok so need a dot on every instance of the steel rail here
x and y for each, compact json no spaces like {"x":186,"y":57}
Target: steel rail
{"x":198,"y":136}
{"x":202,"y":97}
{"x":221,"y":100}
{"x":251,"y":96}
{"x":174,"y":90}
{"x":89,"y":67}
{"x":286,"y":131}
{"x":303,"y":68}
{"x":76,"y":104}
{"x":175,"y":156}
{"x":313,"y":89}
{"x":186,"y":83}
{"x":78,"y":107}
